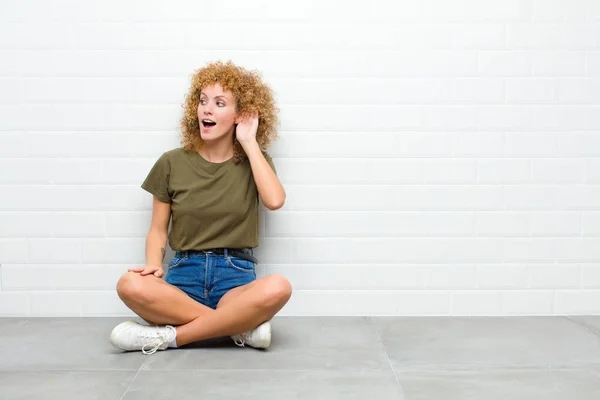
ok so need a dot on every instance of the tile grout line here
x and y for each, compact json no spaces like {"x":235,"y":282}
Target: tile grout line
{"x":136,"y":375}
{"x":583,"y":325}
{"x":388,"y":358}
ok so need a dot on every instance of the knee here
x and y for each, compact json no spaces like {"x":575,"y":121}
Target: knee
{"x":130,"y":287}
{"x":279,"y":290}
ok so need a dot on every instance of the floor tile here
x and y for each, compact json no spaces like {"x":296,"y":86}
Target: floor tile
{"x":63,"y":343}
{"x":64,"y":385}
{"x":592,"y":322}
{"x":11,"y":322}
{"x":313,"y":357}
{"x":500,"y":385}
{"x":472,"y":343}
{"x":297,"y":343}
{"x":264,"y":385}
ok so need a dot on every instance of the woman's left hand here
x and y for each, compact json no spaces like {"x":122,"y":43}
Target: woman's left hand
{"x":246,"y":129}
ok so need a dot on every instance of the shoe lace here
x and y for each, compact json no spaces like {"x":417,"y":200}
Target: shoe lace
{"x":240,"y":339}
{"x":158,"y":338}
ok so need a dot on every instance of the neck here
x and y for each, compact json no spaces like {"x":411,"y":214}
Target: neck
{"x":218,"y":151}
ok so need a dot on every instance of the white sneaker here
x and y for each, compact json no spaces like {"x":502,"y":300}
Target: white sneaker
{"x":259,"y":338}
{"x":131,"y":336}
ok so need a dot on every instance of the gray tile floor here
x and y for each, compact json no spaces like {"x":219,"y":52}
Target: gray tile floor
{"x":520,"y":358}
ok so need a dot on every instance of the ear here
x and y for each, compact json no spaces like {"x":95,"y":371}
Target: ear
{"x":238,"y":118}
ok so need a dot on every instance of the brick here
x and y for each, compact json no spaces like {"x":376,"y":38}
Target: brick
{"x":504,"y":63}
{"x":449,"y":276}
{"x":503,"y":171}
{"x":346,"y":224}
{"x":367,"y":302}
{"x":501,"y":223}
{"x":530,"y":91}
{"x":14,"y":304}
{"x":554,"y":224}
{"x":558,"y":11}
{"x":350,"y":277}
{"x":558,"y":171}
{"x":558,"y":63}
{"x":528,"y":302}
{"x":578,"y":302}
{"x":550,"y":276}
{"x":476,"y":302}
{"x":497,"y":276}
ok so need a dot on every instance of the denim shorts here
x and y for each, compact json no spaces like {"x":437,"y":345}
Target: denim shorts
{"x":206,"y":276}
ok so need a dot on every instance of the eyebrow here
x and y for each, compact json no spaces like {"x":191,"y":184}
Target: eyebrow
{"x":216,"y":97}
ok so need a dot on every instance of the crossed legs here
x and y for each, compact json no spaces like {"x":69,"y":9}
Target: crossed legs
{"x":239,"y":310}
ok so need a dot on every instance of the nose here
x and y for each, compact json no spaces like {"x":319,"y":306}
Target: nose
{"x":207,"y":109}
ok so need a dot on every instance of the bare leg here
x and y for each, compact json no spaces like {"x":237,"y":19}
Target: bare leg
{"x":240,"y":310}
{"x":158,"y":302}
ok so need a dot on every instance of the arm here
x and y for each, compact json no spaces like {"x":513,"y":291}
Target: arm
{"x":270,"y":190}
{"x":156,"y":240}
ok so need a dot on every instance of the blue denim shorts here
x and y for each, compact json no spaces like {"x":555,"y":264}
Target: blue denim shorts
{"x":206,"y":276}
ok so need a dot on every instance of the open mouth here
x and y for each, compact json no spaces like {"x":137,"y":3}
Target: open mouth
{"x":207,"y":123}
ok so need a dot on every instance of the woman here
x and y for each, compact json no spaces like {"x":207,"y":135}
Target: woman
{"x":210,"y":187}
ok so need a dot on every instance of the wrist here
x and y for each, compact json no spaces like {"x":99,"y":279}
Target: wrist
{"x":250,"y":147}
{"x":246,"y":144}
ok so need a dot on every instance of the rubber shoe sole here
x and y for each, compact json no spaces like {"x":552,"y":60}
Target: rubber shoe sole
{"x":122,"y":327}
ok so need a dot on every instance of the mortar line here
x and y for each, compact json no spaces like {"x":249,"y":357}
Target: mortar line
{"x":387,"y":357}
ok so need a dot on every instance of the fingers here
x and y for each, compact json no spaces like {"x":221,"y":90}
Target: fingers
{"x":251,"y":117}
{"x":148,"y":271}
{"x":158,"y":272}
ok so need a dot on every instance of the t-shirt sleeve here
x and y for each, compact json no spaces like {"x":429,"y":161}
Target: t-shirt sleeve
{"x":270,"y":161}
{"x":157,"y":181}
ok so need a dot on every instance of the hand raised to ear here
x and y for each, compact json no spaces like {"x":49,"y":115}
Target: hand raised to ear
{"x":245,"y":132}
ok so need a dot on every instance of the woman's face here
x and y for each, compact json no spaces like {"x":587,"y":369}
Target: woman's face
{"x":217,"y":113}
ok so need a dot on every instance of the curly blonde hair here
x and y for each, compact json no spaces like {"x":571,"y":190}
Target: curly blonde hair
{"x":251,"y":94}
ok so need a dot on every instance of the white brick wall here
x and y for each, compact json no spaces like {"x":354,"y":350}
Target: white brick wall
{"x":440,"y":157}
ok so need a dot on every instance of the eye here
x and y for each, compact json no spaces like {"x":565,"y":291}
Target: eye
{"x":203,"y":102}
{"x":220,"y":104}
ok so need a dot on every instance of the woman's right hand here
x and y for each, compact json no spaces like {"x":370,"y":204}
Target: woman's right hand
{"x":147,"y":270}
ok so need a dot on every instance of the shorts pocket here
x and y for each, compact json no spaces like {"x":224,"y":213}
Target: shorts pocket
{"x":175,"y":262}
{"x":240,"y":264}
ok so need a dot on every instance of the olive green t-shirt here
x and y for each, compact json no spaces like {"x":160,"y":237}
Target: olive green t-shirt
{"x":213,"y":205}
